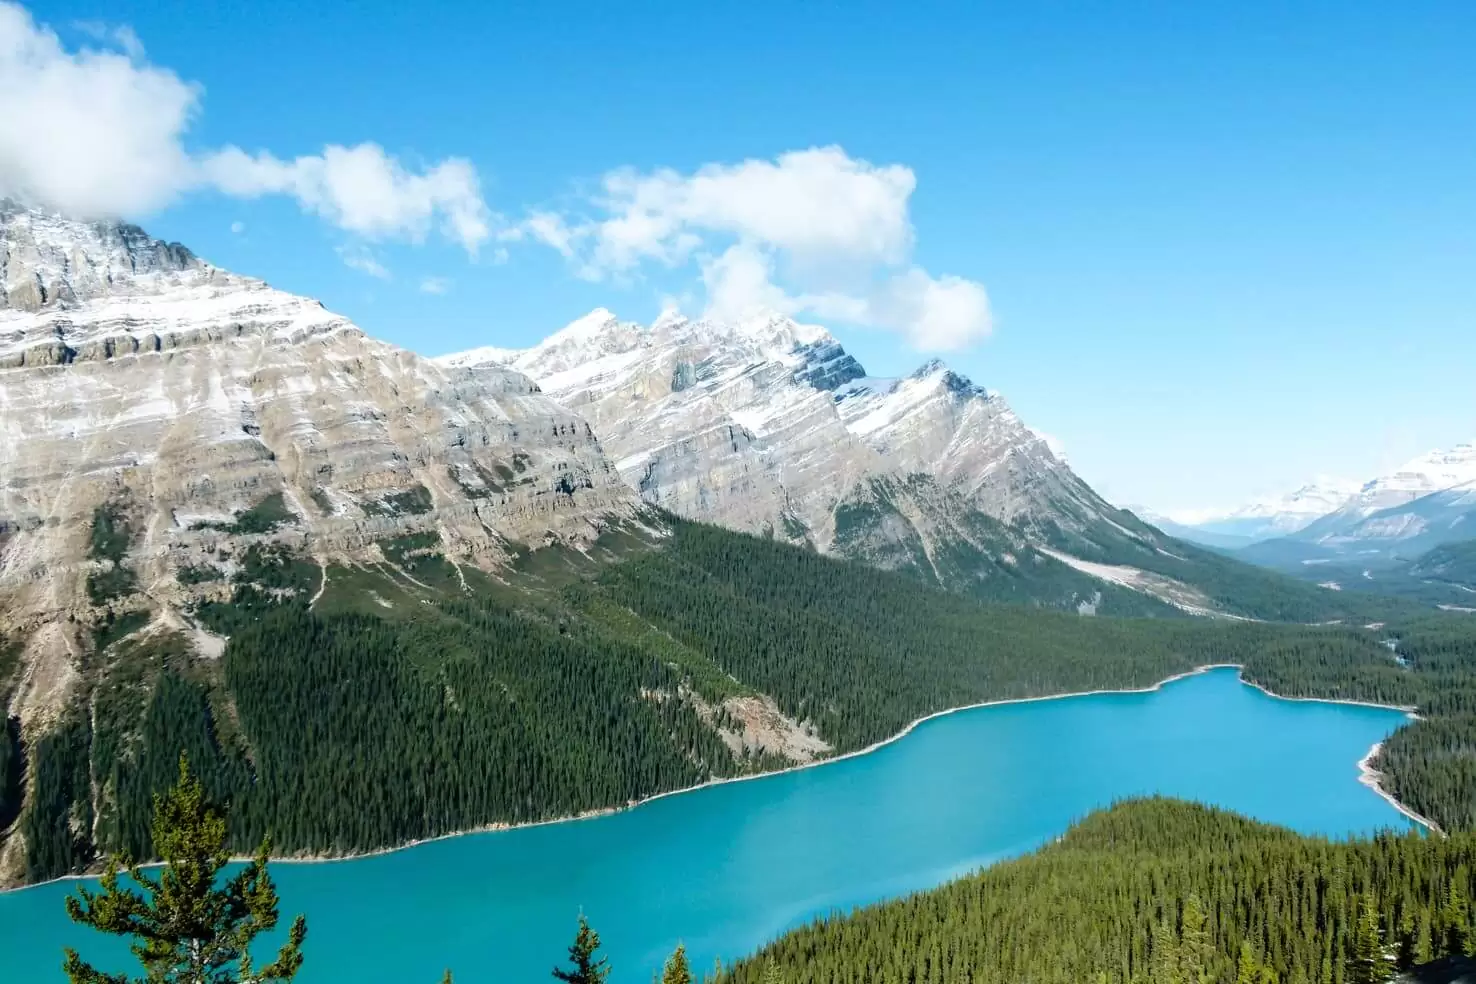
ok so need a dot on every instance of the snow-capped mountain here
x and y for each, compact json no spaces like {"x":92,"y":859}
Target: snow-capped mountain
{"x":140,"y":382}
{"x":1267,"y":517}
{"x":1435,"y":471}
{"x":1423,"y":503}
{"x":769,"y":425}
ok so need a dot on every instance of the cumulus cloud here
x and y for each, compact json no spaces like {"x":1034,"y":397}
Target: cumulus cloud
{"x":94,"y":131}
{"x":99,"y":132}
{"x":811,"y":232}
{"x":364,"y":190}
{"x":360,"y":259}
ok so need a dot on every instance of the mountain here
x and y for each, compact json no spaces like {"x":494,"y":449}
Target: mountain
{"x":766,"y":425}
{"x":333,"y":572}
{"x":160,"y":417}
{"x":1393,"y":518}
{"x":1437,"y":471}
{"x":1454,"y":563}
{"x":769,"y":426}
{"x":1266,"y":518}
{"x":143,"y":383}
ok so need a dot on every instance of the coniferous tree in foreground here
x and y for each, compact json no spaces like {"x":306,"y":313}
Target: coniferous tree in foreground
{"x":186,"y":930}
{"x":586,"y":969}
{"x":678,"y":970}
{"x":1367,"y":965}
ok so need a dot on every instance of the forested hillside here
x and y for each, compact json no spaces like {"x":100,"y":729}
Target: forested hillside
{"x":1157,"y":892}
{"x":411,"y":699}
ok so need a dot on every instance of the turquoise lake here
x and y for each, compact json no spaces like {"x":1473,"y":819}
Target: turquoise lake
{"x":728,"y":867}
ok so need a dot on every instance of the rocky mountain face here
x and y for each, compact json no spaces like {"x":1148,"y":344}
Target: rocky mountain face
{"x":771,"y":427}
{"x":160,"y":416}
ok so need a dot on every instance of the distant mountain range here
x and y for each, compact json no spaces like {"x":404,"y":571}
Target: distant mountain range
{"x":1417,"y":505}
{"x":1268,"y":517}
{"x":1393,"y":534}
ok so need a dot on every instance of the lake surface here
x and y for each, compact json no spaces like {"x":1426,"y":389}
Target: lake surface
{"x":728,"y":867}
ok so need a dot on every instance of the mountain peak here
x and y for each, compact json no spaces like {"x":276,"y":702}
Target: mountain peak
{"x":48,"y":260}
{"x":587,"y":327}
{"x":954,"y":382}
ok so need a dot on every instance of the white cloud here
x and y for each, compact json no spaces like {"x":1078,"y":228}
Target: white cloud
{"x":91,"y":132}
{"x":740,"y":284}
{"x":99,"y":133}
{"x":814,"y":204}
{"x":548,"y":228}
{"x":364,"y":190}
{"x":358,"y":258}
{"x":238,"y":227}
{"x":434,"y":285}
{"x":811,"y":232}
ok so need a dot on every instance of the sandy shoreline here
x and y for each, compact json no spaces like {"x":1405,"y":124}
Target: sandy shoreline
{"x":1367,"y":775}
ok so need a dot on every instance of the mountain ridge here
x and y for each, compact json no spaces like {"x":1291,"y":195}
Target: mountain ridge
{"x":770,"y":426}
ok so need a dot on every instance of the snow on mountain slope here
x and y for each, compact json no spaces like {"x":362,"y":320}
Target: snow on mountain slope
{"x":140,"y":382}
{"x":1429,"y":473}
{"x":768,"y":424}
{"x":1274,"y":515}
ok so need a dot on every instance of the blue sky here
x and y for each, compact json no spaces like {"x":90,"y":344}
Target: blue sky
{"x":1226,"y":247}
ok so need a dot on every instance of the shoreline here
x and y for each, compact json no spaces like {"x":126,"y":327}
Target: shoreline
{"x":1371,"y":777}
{"x":1368,"y":776}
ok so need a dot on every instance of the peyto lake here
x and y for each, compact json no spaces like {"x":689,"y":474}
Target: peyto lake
{"x":727,"y":867}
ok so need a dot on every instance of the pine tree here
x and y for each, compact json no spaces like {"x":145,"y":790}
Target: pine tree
{"x":586,"y":969}
{"x":1367,"y":965}
{"x":1195,"y":949}
{"x":1248,"y":968}
{"x":1424,"y":948}
{"x":677,"y":971}
{"x":187,"y":930}
{"x":1455,"y":921}
{"x":772,"y":974}
{"x":1404,"y":955}
{"x":1166,"y":966}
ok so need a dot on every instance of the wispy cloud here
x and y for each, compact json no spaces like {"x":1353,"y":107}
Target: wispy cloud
{"x":114,"y":128}
{"x":118,"y":35}
{"x":434,"y":285}
{"x":359,"y":258}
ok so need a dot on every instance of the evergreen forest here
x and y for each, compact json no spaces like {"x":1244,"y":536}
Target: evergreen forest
{"x":401,"y":705}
